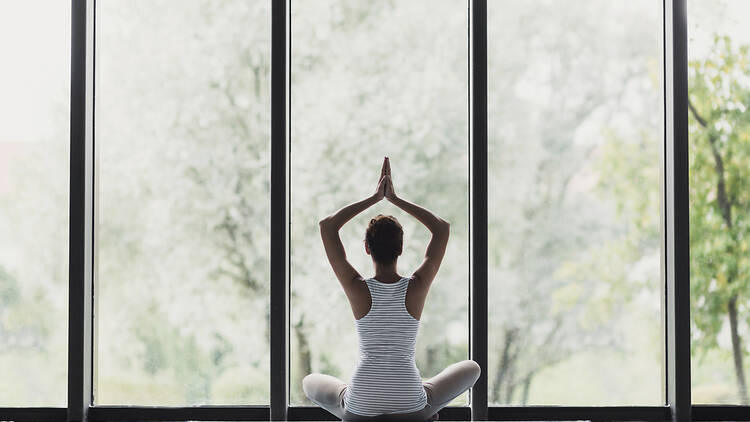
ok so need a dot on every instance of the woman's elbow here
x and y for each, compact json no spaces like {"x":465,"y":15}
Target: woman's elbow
{"x":327,"y":224}
{"x":445,"y":227}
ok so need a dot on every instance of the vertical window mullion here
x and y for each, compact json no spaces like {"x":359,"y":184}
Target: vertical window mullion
{"x":676,"y":209}
{"x":478,"y":202}
{"x":279,"y":376}
{"x":81,"y":210}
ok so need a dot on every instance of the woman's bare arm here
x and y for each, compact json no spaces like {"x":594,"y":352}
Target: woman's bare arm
{"x":336,"y":220}
{"x":329,"y":233}
{"x":439,"y":228}
{"x":431,"y":221}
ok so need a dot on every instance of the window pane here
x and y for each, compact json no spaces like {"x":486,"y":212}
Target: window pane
{"x":182,"y":131}
{"x":34,"y":182}
{"x":374,"y":79}
{"x":575,"y":112}
{"x":719,"y":130}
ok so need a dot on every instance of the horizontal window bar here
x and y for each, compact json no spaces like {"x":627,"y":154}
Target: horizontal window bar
{"x":720,"y":413}
{"x":310,"y":413}
{"x":305,"y":413}
{"x":33,"y":414}
{"x":564,"y":413}
{"x":300,"y":413}
{"x":192,"y":413}
{"x":229,"y":413}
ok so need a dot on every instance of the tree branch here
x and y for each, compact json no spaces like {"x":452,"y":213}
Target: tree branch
{"x":725,"y":205}
{"x":697,"y":116}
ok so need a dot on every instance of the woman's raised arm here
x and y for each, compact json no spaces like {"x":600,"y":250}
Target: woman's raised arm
{"x":340,"y":217}
{"x":329,"y":233}
{"x":439,"y":228}
{"x":433,"y":222}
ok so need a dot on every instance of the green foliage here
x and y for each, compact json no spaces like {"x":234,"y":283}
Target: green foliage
{"x":719,"y":154}
{"x":719,"y":165}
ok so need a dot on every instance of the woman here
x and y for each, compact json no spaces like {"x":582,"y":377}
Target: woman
{"x":387,"y":309}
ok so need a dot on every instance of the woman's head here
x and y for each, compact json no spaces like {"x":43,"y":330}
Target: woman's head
{"x":384,"y":239}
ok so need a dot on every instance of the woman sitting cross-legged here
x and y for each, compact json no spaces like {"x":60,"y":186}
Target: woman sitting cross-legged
{"x":386,"y":384}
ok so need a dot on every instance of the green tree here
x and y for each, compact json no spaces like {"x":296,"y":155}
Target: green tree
{"x":719,"y":95}
{"x":719,"y":154}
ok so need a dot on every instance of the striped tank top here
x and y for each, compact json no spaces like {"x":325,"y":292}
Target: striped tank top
{"x":386,"y":378}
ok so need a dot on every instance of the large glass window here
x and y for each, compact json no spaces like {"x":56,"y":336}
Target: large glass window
{"x":34,"y":175}
{"x":374,"y":79}
{"x":182,"y":212}
{"x":575,"y":109}
{"x":576,"y":125}
{"x":719,"y":128}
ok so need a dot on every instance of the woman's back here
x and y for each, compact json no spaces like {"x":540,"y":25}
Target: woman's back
{"x":386,"y":378}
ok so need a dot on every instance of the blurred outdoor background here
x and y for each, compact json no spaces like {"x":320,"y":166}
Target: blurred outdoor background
{"x":575,"y":102}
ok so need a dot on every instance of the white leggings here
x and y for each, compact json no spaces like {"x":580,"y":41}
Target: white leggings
{"x":328,"y":392}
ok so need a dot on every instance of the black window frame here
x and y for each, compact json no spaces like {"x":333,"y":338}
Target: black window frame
{"x":675,"y":219}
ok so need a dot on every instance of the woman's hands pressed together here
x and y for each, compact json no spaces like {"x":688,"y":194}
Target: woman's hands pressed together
{"x":380,"y":192}
{"x":385,"y":186}
{"x":390,"y":193}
